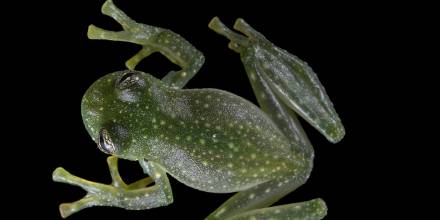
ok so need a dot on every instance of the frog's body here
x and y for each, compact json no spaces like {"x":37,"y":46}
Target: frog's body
{"x":208,"y":139}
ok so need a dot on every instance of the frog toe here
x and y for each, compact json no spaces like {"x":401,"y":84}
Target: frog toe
{"x":67,"y":209}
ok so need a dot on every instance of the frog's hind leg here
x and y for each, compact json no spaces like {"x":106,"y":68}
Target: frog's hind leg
{"x":252,"y":203}
{"x":290,"y":78}
{"x":310,"y":210}
{"x":248,"y":204}
{"x":152,"y":39}
{"x":269,"y":102}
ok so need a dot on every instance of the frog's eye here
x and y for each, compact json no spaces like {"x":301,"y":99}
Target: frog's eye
{"x":105,"y":143}
{"x":129,"y":79}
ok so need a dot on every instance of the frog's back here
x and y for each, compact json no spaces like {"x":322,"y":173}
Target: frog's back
{"x":225,"y":143}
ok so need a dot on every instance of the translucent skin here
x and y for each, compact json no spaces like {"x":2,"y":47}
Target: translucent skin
{"x":208,"y":139}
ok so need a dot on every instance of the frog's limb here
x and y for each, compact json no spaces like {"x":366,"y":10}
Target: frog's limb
{"x":132,"y":62}
{"x":311,"y":210}
{"x":262,"y":196}
{"x":287,"y":121}
{"x":270,"y":103}
{"x":250,"y":204}
{"x":152,"y":39}
{"x":114,"y":172}
{"x":290,"y":78}
{"x":165,"y":194}
{"x":285,"y":118}
{"x":135,"y":196}
{"x":66,"y":209}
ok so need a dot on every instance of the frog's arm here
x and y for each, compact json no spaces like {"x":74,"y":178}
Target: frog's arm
{"x":152,"y":39}
{"x":288,"y":77}
{"x":135,"y":196}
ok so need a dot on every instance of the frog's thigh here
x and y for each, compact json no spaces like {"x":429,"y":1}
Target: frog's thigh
{"x":310,"y":210}
{"x":284,"y":117}
{"x":257,"y":197}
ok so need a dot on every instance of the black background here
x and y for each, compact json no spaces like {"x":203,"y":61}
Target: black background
{"x":355,"y":50}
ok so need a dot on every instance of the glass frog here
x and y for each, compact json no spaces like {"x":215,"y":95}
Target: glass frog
{"x":208,"y":139}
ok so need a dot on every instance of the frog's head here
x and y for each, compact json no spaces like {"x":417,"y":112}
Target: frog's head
{"x":109,"y":110}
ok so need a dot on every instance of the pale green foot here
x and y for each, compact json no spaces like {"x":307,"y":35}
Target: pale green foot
{"x":135,"y":196}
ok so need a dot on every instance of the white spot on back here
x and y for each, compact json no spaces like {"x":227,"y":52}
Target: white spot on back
{"x":251,"y":196}
{"x":220,"y":212}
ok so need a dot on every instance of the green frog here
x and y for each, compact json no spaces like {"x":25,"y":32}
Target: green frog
{"x":208,"y":139}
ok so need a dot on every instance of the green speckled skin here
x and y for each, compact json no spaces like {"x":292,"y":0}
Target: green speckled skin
{"x":208,"y":139}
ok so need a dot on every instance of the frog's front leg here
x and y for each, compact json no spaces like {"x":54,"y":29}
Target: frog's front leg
{"x":135,"y":196}
{"x":152,"y":39}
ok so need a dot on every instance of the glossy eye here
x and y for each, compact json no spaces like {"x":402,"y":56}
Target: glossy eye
{"x":127,"y":79}
{"x":105,"y":143}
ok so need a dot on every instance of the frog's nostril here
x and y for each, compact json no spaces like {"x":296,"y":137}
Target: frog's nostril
{"x":105,"y":143}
